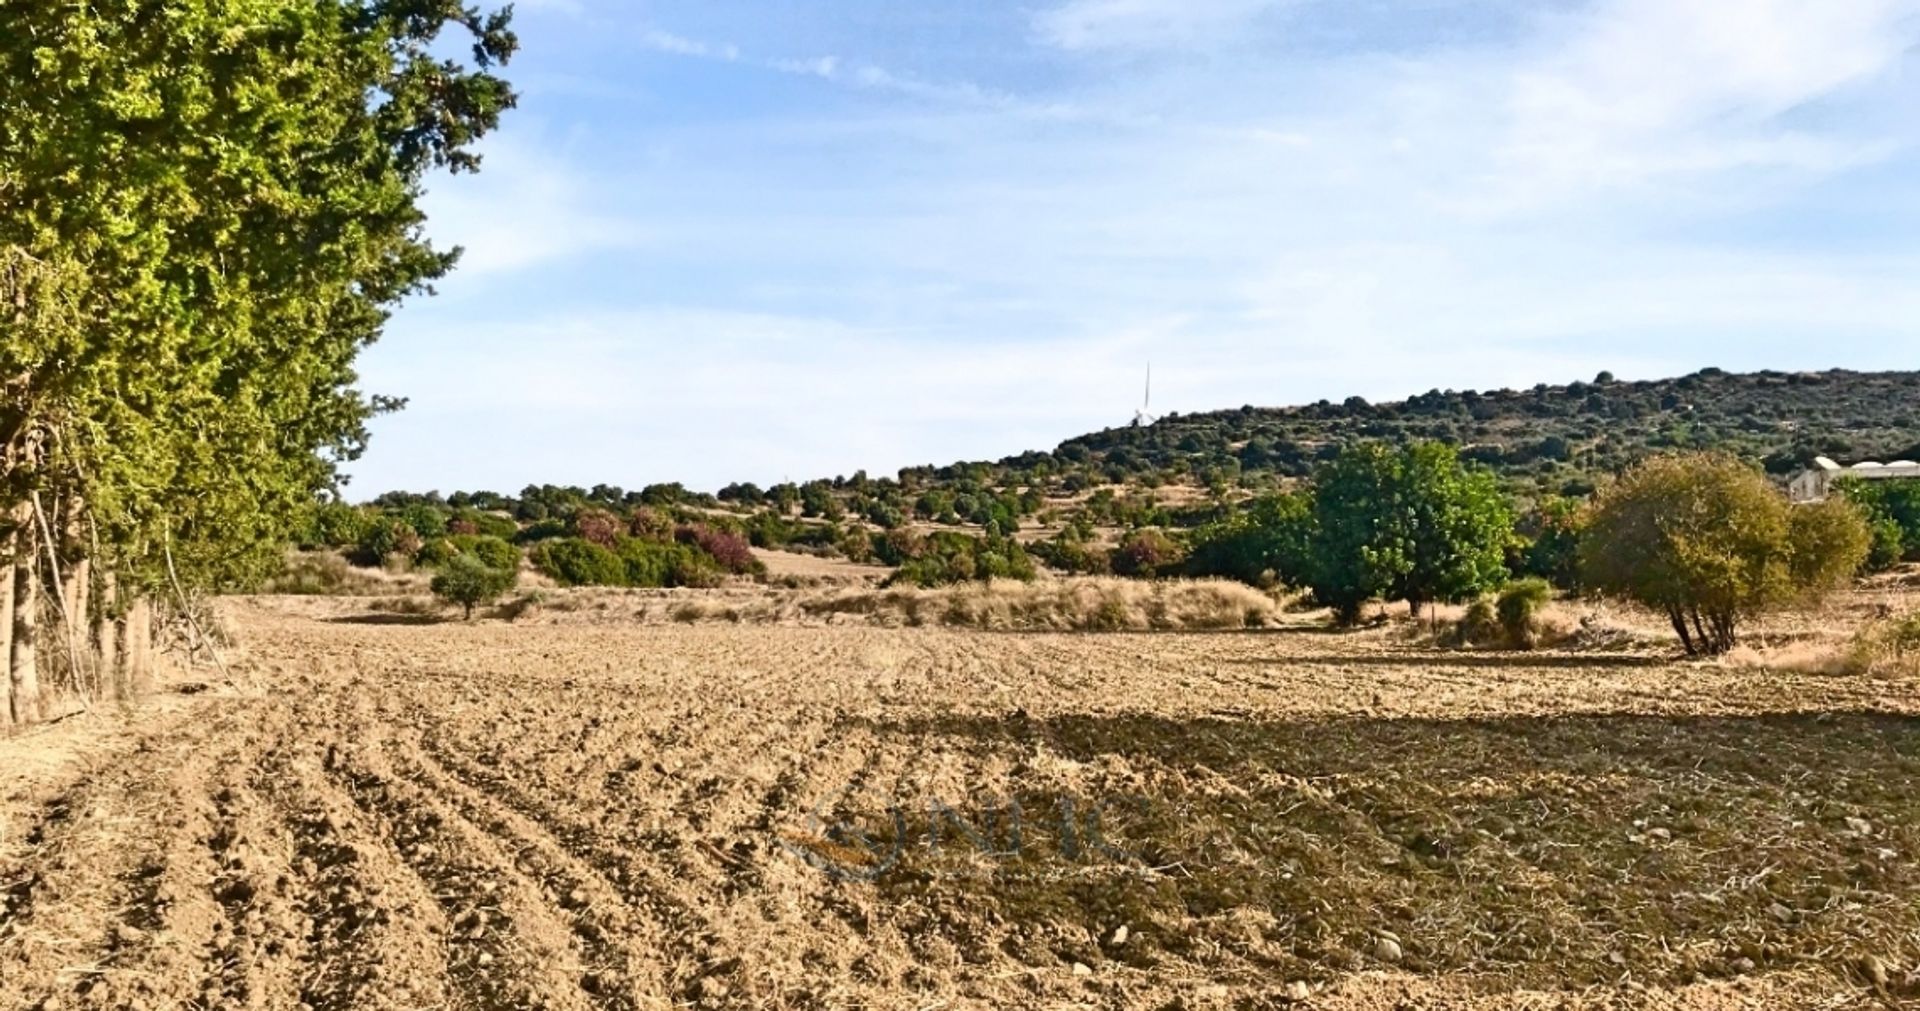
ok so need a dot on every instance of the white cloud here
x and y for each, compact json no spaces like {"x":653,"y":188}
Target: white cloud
{"x":1145,"y":24}
{"x":1632,"y":90}
{"x":527,"y":206}
{"x":667,"y":42}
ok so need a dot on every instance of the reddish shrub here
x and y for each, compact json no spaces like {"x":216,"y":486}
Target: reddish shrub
{"x":731,"y":550}
{"x":597,"y":526}
{"x":463,"y":528}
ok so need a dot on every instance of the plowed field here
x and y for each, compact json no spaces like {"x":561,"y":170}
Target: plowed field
{"x":396,"y":815}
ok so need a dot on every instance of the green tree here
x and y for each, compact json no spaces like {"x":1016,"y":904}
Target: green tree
{"x":468,"y":581}
{"x":1270,"y":540}
{"x":1709,"y":542}
{"x":207,"y":208}
{"x":1893,"y":509}
{"x":1412,"y":524}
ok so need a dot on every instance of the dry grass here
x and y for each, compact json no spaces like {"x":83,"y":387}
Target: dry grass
{"x":326,"y":573}
{"x":1064,"y":605}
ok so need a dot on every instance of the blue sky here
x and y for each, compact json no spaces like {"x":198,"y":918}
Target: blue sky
{"x":765,"y":239}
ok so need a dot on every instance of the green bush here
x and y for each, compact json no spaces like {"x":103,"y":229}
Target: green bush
{"x":1479,"y":625}
{"x":426,"y":520}
{"x":1894,"y":504}
{"x":385,"y":538}
{"x":541,"y":530}
{"x":574,"y":562}
{"x":1519,"y":610}
{"x":436,"y":552}
{"x":485,"y":524}
{"x":333,"y":525}
{"x":1265,"y":543}
{"x":947,"y":557}
{"x":493,"y":551}
{"x":467,"y":581}
{"x":1889,"y":545}
{"x":1069,"y":553}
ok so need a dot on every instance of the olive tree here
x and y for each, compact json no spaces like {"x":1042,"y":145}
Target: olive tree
{"x":1709,"y":542}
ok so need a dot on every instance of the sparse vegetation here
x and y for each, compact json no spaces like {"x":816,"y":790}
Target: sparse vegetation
{"x":1519,"y":609}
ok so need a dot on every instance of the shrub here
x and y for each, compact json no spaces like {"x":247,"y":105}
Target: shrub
{"x":574,"y":562}
{"x":320,"y":573}
{"x":467,"y":581}
{"x":435,"y":553}
{"x":493,"y":551}
{"x":650,"y":524}
{"x":660,"y":564}
{"x":857,"y":545}
{"x":485,"y":524}
{"x":729,"y":551}
{"x":1519,"y":608}
{"x":948,"y":557}
{"x":1266,"y":543}
{"x":1890,"y":647}
{"x":1709,"y":542}
{"x":598,"y":526}
{"x":426,"y":520}
{"x":1552,"y":548}
{"x":1068,"y":553}
{"x":1145,"y":553}
{"x":385,"y":538}
{"x":542,"y":530}
{"x":333,"y":525}
{"x":1895,"y":504}
{"x":1479,"y":625}
{"x":1889,"y":545}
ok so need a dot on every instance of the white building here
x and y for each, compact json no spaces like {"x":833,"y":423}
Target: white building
{"x":1816,"y":483}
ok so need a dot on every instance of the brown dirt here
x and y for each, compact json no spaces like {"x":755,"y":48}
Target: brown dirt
{"x":491,"y":815}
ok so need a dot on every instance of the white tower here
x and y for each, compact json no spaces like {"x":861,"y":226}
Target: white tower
{"x":1141,"y":416}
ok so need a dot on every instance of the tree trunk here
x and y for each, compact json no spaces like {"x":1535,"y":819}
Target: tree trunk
{"x":1680,"y":625}
{"x":78,"y":598}
{"x":103,"y":636}
{"x":136,"y":648}
{"x":22,"y":666}
{"x":6,"y":624}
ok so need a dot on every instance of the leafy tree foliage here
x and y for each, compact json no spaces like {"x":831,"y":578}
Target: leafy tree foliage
{"x":1893,"y":510}
{"x":948,"y":557}
{"x":1145,"y":553}
{"x":1709,"y":542}
{"x":1268,"y":542}
{"x":207,"y":209}
{"x":468,"y":581}
{"x":574,"y":562}
{"x":1411,"y":524}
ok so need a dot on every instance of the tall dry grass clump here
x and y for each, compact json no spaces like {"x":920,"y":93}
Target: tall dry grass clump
{"x":1888,"y":648}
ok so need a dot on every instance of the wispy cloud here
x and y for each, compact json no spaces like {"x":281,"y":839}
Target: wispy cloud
{"x":1145,"y":24}
{"x":1635,"y":89}
{"x":529,"y":206}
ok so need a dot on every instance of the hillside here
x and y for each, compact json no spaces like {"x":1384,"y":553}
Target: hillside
{"x":1784,"y":419}
{"x":1549,"y":439}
